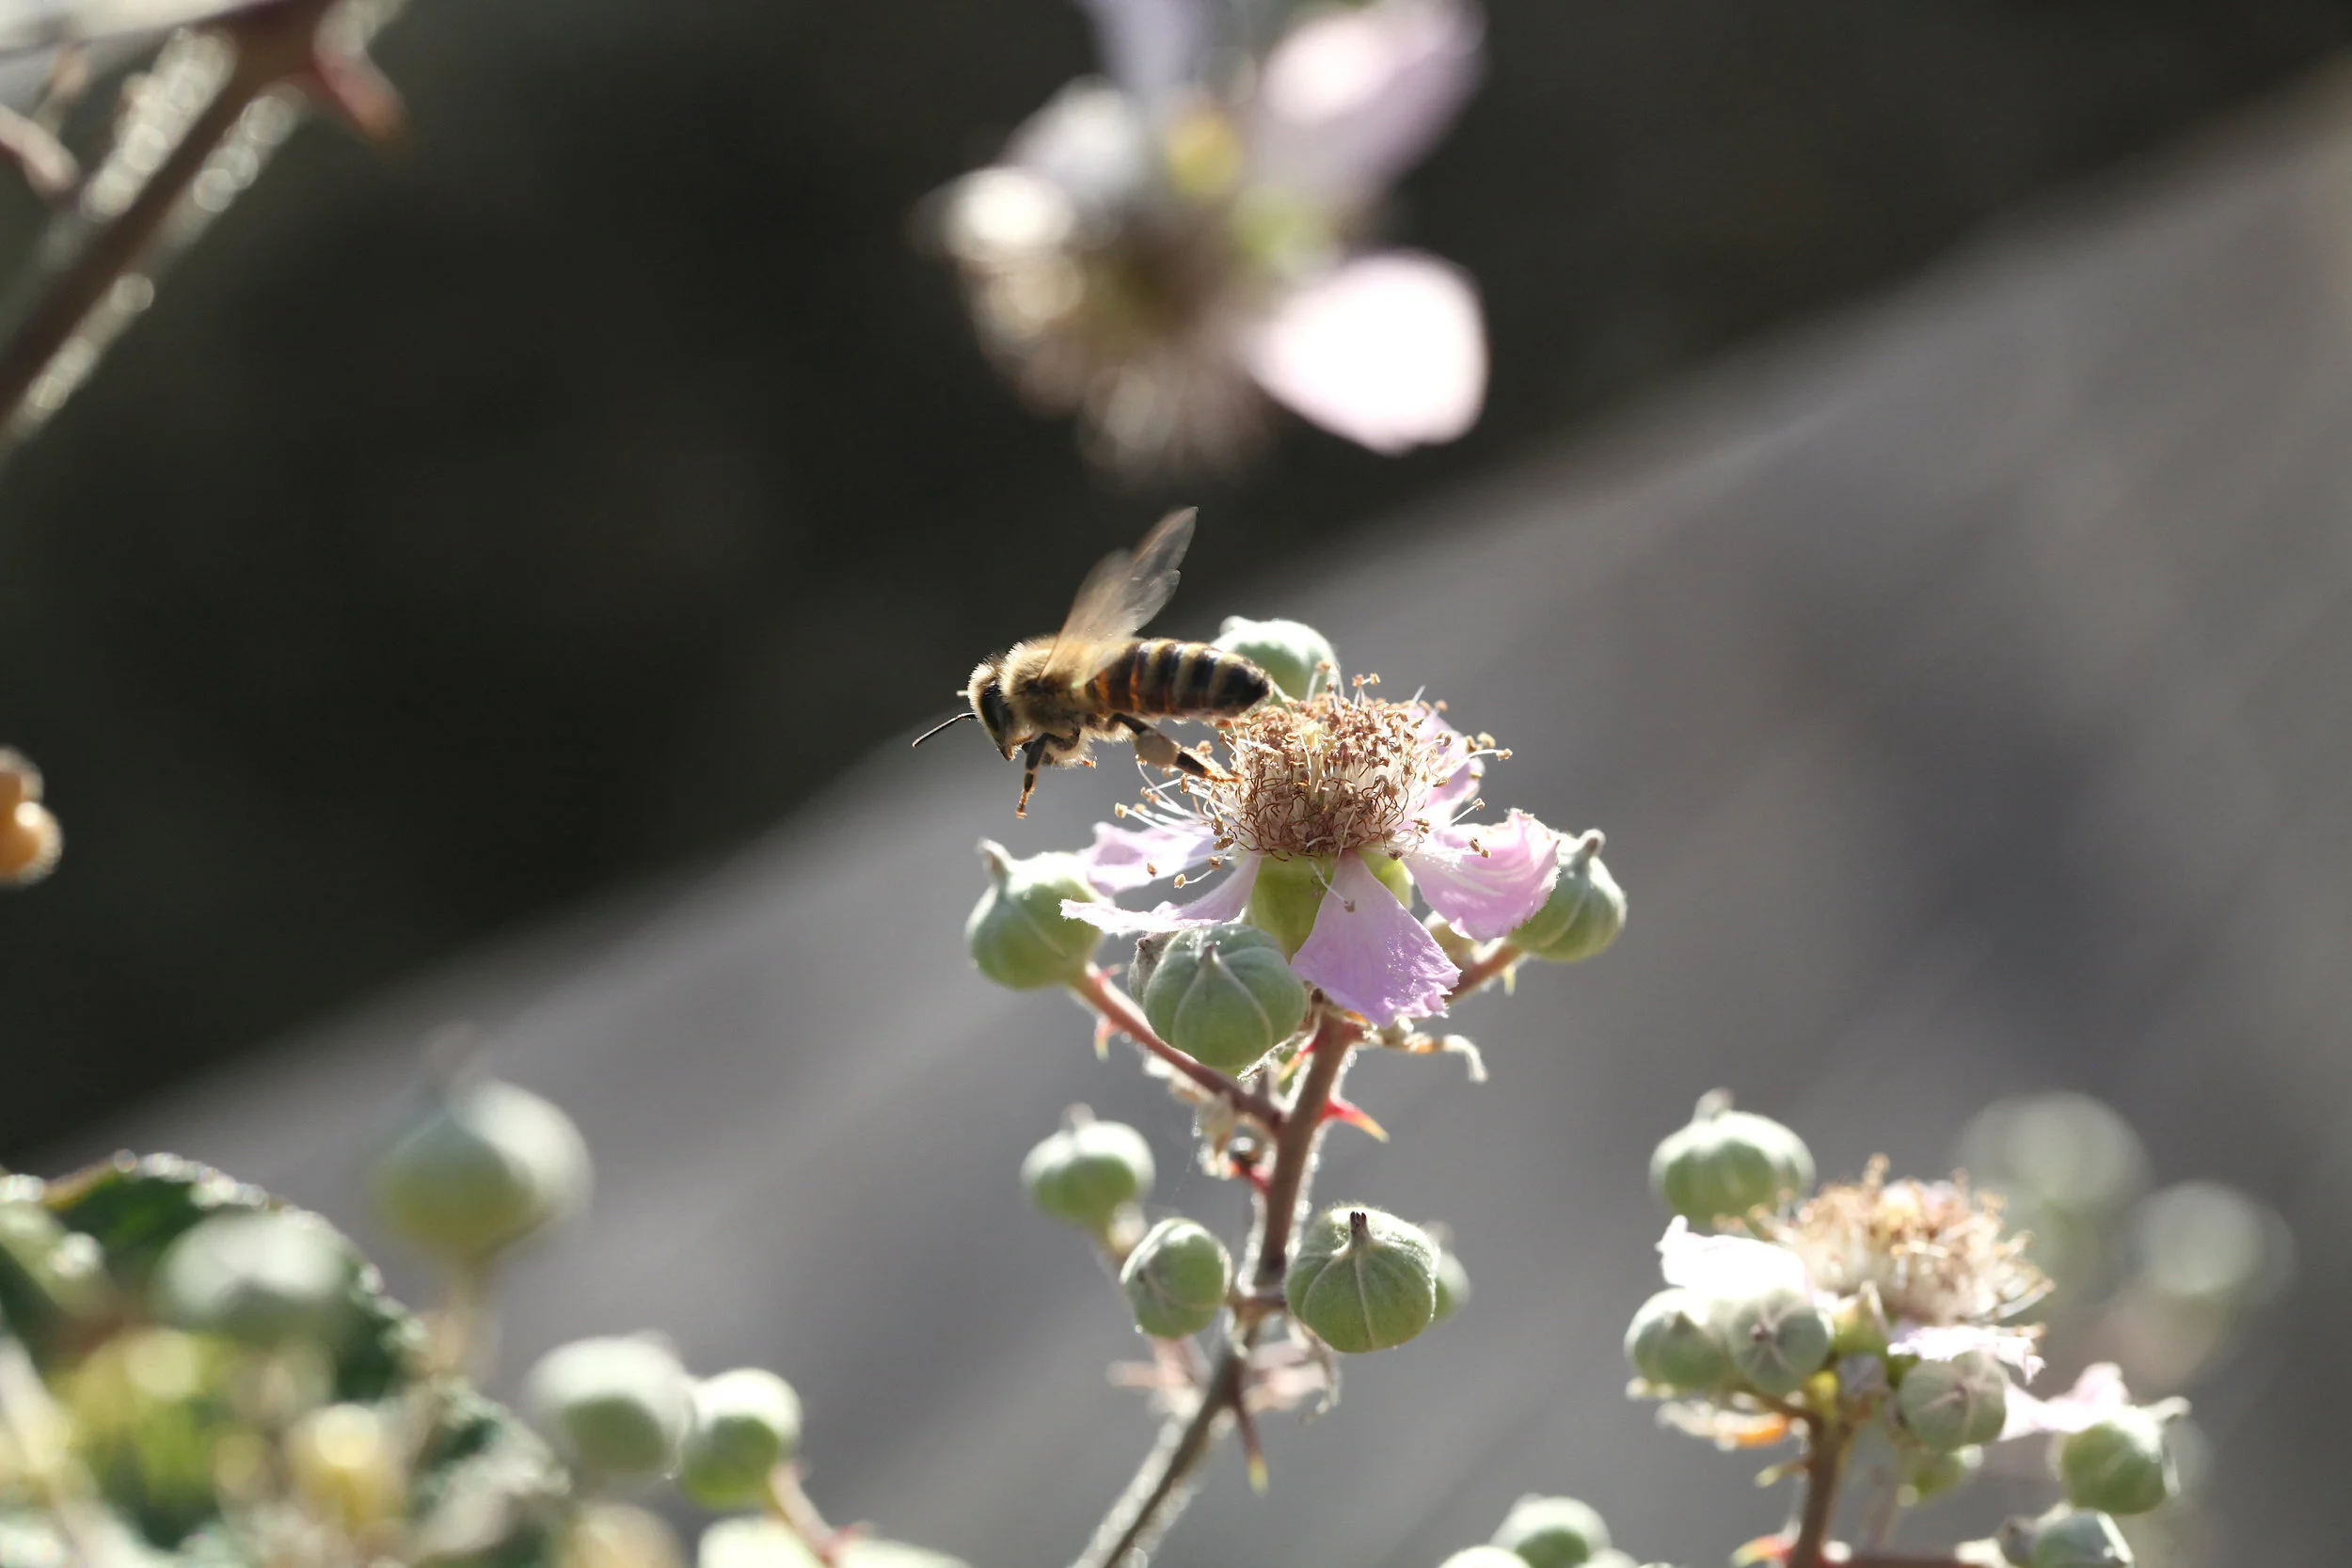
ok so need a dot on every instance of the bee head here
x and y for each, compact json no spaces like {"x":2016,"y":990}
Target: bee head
{"x":987,"y":695}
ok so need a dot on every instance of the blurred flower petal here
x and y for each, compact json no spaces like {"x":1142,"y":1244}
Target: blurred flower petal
{"x":2012,"y":1347}
{"x":1092,"y":141}
{"x":1727,"y":1265}
{"x":1154,"y":49}
{"x":1387,"y":350}
{"x":2096,"y":1395}
{"x":1369,"y":954}
{"x":1352,"y":99}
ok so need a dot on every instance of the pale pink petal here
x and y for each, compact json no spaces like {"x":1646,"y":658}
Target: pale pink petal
{"x":1092,"y":144}
{"x":1461,"y":769}
{"x":1369,"y":954}
{"x":1487,"y":877}
{"x":2096,"y":1395}
{"x":1230,"y":897}
{"x":1351,"y":99}
{"x":1387,"y":350}
{"x":1154,"y":49}
{"x":1123,"y":858}
{"x":2013,"y":1347}
{"x":1728,"y":1266}
{"x":1224,"y":902}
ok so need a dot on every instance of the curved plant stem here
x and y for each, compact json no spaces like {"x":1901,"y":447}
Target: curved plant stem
{"x":1152,"y":1501}
{"x":272,"y":44}
{"x":1825,"y":1445}
{"x":1120,"y":1011}
{"x":789,"y":1504}
{"x":1494,"y":963}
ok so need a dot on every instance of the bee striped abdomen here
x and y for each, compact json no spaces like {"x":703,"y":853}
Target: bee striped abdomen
{"x":1163,"y":676}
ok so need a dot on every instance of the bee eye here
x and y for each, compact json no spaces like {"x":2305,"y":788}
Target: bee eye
{"x":996,"y":715}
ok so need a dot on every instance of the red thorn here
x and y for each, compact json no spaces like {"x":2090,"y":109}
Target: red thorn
{"x":350,"y":87}
{"x":1336,"y":1109}
{"x":1249,"y":1172}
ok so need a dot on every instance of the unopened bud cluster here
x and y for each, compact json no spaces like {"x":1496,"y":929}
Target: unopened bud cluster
{"x":1877,"y":1306}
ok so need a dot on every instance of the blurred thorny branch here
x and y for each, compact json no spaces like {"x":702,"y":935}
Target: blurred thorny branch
{"x":188,"y":135}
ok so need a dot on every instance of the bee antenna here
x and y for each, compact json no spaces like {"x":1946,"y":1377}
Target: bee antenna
{"x":948,"y":723}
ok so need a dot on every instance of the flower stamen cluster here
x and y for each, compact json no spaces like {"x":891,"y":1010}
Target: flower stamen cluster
{"x":1934,"y":1251}
{"x":1329,"y":775}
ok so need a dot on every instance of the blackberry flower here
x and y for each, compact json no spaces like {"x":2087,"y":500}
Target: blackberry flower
{"x":1160,"y":249}
{"x":1329,"y":813}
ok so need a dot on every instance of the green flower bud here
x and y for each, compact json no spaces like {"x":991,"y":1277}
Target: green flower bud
{"x":1932,"y":1472}
{"x":487,"y":1166}
{"x":269,"y":1277}
{"x":1726,"y":1163}
{"x":1176,"y":1278}
{"x":2064,"y":1538}
{"x":1585,"y":913}
{"x":1300,"y":658}
{"x":1954,"y":1405}
{"x":1090,"y":1170}
{"x":1552,"y":1533}
{"x":1288,"y":894}
{"x":1454,"y":1285}
{"x":1861,"y":1324}
{"x":1224,"y":996}
{"x":746,"y":1424}
{"x":1017,"y":933}
{"x":616,"y":1408}
{"x":1777,"y":1340}
{"x":1484,"y":1557}
{"x":1673,"y":1343}
{"x":1362,"y":1281}
{"x":2119,"y":1464}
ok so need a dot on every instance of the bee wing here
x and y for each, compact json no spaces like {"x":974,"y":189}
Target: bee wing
{"x":1118,"y":596}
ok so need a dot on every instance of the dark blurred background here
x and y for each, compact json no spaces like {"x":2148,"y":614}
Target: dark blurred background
{"x":557,"y":501}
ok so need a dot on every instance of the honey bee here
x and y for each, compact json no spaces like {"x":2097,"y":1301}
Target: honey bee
{"x":1053,"y":697}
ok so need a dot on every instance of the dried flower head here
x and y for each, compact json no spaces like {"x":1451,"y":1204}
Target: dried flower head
{"x":1934,"y":1251}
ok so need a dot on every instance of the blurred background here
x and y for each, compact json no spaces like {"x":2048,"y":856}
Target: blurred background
{"x":496,"y":578}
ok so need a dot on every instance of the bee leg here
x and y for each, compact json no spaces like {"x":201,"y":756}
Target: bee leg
{"x":1032,"y":757}
{"x":1158,"y":748}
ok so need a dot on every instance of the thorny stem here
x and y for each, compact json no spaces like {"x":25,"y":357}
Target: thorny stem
{"x":1492,"y":964}
{"x":1119,"y":1010}
{"x":1825,"y":1445}
{"x":274,"y":44}
{"x":1151,"y":1501}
